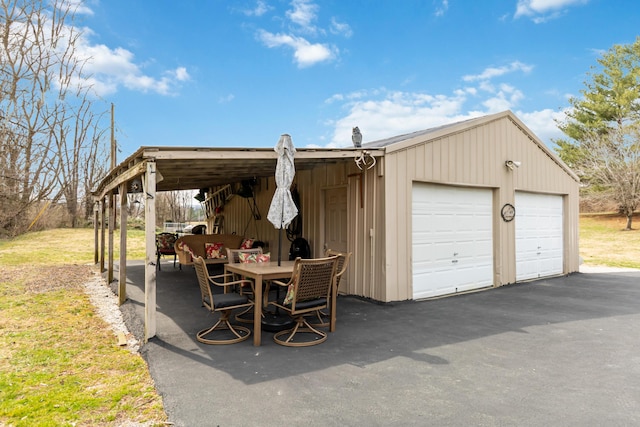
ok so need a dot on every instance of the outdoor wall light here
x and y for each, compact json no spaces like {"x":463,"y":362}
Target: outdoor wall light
{"x":512,"y":164}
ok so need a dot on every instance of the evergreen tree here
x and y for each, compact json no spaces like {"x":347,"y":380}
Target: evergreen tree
{"x":603,"y":130}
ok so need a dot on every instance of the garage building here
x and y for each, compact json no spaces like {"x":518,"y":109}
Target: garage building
{"x":471,"y":205}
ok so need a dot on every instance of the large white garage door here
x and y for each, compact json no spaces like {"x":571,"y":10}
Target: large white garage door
{"x":539,"y":236}
{"x":452,"y":239}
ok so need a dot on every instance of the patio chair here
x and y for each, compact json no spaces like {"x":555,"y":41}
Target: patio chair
{"x":223,"y":303}
{"x":233,"y":257}
{"x":308,"y":291}
{"x":323,"y":318}
{"x":164,"y":246}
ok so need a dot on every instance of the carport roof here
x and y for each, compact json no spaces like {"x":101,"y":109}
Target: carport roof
{"x":188,"y":168}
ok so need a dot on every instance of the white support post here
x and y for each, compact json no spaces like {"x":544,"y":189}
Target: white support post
{"x":122,"y":277}
{"x":112,"y":227}
{"x":96,"y":234}
{"x":102,"y":233}
{"x":149,"y":195}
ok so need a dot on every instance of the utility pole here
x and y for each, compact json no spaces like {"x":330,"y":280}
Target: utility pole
{"x":113,"y":138}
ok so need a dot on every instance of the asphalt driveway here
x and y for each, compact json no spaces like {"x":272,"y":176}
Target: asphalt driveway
{"x":557,"y":352}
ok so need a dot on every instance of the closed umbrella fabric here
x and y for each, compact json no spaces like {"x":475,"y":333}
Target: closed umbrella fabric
{"x":283,"y":209}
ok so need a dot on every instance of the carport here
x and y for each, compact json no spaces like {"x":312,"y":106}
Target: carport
{"x":153,"y":169}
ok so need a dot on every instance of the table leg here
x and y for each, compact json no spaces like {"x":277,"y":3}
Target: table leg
{"x":334,"y":297}
{"x":257,"y":312}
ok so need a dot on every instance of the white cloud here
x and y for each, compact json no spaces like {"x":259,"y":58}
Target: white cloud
{"x":543,"y":123}
{"x":112,"y":68}
{"x":492,"y":72}
{"x":340,"y":28}
{"x":182,"y":74}
{"x":106,"y":69}
{"x":226,"y":99}
{"x":395,"y":113}
{"x":79,"y":7}
{"x":505,"y":98}
{"x":544,"y":10}
{"x":302,"y":17}
{"x":442,"y":9}
{"x":304,"y":13}
{"x":305,"y":53}
{"x":382,"y":113}
{"x":261,"y":8}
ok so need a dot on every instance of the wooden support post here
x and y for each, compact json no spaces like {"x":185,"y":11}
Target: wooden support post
{"x":96,"y":235}
{"x":102,"y":234}
{"x":112,"y":226}
{"x":149,"y":194}
{"x":122,"y":278}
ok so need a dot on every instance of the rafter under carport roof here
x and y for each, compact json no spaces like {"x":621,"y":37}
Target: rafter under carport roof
{"x":188,"y":168}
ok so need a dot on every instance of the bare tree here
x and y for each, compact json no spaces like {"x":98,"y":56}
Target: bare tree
{"x":46,"y":114}
{"x":174,"y":206}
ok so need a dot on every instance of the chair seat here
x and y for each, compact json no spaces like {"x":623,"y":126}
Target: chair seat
{"x":228,"y":300}
{"x":303,"y":305}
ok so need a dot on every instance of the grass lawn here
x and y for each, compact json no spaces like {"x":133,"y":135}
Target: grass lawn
{"x":60,"y":364}
{"x":604,"y":242}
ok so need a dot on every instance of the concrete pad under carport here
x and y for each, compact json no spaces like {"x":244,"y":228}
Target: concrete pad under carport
{"x":560,"y":351}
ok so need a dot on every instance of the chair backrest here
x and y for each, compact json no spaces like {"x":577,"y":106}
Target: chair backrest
{"x":165,"y":241}
{"x":233,"y":255}
{"x":312,"y":278}
{"x":203,"y":281}
{"x":343,"y":263}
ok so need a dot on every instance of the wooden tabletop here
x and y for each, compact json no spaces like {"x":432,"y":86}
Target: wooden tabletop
{"x":263,"y":269}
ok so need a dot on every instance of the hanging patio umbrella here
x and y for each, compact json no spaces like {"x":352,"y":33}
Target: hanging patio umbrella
{"x":283,"y":210}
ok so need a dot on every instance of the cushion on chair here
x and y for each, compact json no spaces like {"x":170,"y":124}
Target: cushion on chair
{"x":164,"y":243}
{"x":247,"y":244}
{"x":215,"y":250}
{"x":249,"y":258}
{"x":301,"y":305}
{"x":288,"y":298}
{"x":229,"y":300}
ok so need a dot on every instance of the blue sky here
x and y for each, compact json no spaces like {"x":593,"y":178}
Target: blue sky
{"x":240,"y":73}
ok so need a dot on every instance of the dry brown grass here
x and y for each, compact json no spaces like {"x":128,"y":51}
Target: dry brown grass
{"x":603,"y":240}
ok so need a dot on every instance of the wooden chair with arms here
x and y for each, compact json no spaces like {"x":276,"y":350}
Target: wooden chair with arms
{"x":308,"y":291}
{"x":223,"y":303}
{"x":323,"y":318}
{"x":164,"y":246}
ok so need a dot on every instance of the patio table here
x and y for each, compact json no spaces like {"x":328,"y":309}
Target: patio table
{"x":260,"y":271}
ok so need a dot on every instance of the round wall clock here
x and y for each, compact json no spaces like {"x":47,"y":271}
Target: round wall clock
{"x":508,"y":212}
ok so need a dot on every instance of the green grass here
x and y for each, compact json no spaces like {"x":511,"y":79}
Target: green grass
{"x":603,"y":241}
{"x":60,"y":364}
{"x":65,"y":246}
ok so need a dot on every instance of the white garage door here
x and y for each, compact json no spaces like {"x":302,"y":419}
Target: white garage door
{"x":452,"y":239}
{"x":539,"y":236}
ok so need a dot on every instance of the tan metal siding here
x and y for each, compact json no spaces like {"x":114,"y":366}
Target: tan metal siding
{"x":473,"y":157}
{"x":379,"y":232}
{"x":366,"y":272}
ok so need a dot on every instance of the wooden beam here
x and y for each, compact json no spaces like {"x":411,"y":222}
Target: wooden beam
{"x":121,"y":178}
{"x":149,"y":194}
{"x":122,"y":278}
